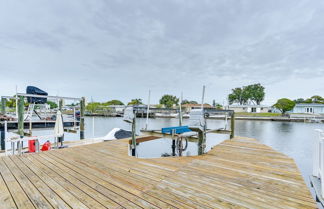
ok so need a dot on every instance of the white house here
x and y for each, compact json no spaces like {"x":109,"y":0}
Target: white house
{"x":250,"y":108}
{"x":117,"y":108}
{"x":311,"y":108}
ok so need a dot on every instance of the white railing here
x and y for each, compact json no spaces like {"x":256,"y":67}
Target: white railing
{"x":318,"y":158}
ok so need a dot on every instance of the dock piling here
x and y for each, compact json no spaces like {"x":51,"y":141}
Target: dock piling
{"x":21,"y":103}
{"x":3,"y":106}
{"x":232,"y":125}
{"x":2,"y":137}
{"x":134,"y":137}
{"x":82,"y":107}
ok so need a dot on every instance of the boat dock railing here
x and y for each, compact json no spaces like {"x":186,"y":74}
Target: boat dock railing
{"x":318,"y":159}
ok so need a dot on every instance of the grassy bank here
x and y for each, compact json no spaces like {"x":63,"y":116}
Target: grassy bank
{"x":266,"y":114}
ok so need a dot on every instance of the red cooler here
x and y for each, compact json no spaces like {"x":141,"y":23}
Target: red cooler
{"x":31,"y":145}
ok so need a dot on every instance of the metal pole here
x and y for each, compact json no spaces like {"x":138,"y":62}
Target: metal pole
{"x":16,"y":102}
{"x":134,"y":137}
{"x":148,"y":110}
{"x":82,"y":107}
{"x":180,"y":111}
{"x":203,"y":97}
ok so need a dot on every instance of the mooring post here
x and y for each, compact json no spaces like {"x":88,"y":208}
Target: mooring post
{"x":3,"y":136}
{"x":3,"y":106}
{"x":201,"y":142}
{"x":134,"y":136}
{"x":21,"y":109}
{"x":173,"y":143}
{"x":232,"y":125}
{"x":82,"y":107}
{"x":21,"y":116}
{"x":60,"y":104}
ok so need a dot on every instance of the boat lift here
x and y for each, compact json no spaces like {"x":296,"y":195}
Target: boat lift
{"x":20,"y":98}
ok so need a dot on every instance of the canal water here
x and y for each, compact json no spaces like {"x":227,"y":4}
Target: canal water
{"x":293,"y":139}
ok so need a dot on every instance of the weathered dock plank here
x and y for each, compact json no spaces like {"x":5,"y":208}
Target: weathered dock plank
{"x":238,"y":173}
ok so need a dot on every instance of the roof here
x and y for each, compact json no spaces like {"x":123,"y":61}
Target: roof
{"x":242,"y":106}
{"x":309,"y":105}
{"x":195,"y":105}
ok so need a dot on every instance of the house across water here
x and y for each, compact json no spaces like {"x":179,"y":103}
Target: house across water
{"x":309,"y":108}
{"x":250,"y":108}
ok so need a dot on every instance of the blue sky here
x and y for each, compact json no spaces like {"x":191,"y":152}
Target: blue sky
{"x":119,"y":49}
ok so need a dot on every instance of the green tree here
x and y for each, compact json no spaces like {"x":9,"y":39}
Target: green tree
{"x":135,"y":102}
{"x":299,"y":100}
{"x":185,"y":101}
{"x":284,"y":105}
{"x":52,"y":105}
{"x":317,"y":99}
{"x":113,"y":102}
{"x":239,"y":95}
{"x":169,"y":100}
{"x":255,"y":93}
{"x":11,"y":103}
{"x":93,"y":106}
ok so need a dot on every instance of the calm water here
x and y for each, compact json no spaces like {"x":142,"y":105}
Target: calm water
{"x":292,"y":139}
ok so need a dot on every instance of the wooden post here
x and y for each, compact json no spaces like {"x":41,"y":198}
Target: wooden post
{"x":134,"y":137}
{"x":60,"y":104}
{"x":201,"y":142}
{"x":3,"y":106}
{"x":232,"y":125}
{"x":82,"y":107}
{"x":21,"y":116}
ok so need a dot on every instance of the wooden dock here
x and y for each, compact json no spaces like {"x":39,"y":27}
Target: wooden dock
{"x":238,"y":173}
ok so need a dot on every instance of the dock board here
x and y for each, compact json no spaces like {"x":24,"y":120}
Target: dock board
{"x":238,"y":173}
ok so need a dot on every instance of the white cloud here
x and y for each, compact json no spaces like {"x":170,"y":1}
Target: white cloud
{"x":120,"y":49}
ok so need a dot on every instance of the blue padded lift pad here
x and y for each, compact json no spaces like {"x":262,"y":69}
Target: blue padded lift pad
{"x":178,"y":129}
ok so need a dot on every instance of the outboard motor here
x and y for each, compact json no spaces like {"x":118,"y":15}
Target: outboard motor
{"x":36,"y":91}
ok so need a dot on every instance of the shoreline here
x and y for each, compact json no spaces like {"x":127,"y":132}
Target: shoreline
{"x":258,"y":118}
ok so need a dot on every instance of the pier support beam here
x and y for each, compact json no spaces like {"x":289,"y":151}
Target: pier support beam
{"x":232,"y":125}
{"x":3,"y":106}
{"x":82,"y":107}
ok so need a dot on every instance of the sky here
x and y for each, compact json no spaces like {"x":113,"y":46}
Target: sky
{"x":119,"y":49}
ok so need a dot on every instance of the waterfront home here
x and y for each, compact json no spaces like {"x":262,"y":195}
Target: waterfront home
{"x":188,"y":107}
{"x":310,"y":108}
{"x":250,"y":108}
{"x":117,"y":108}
